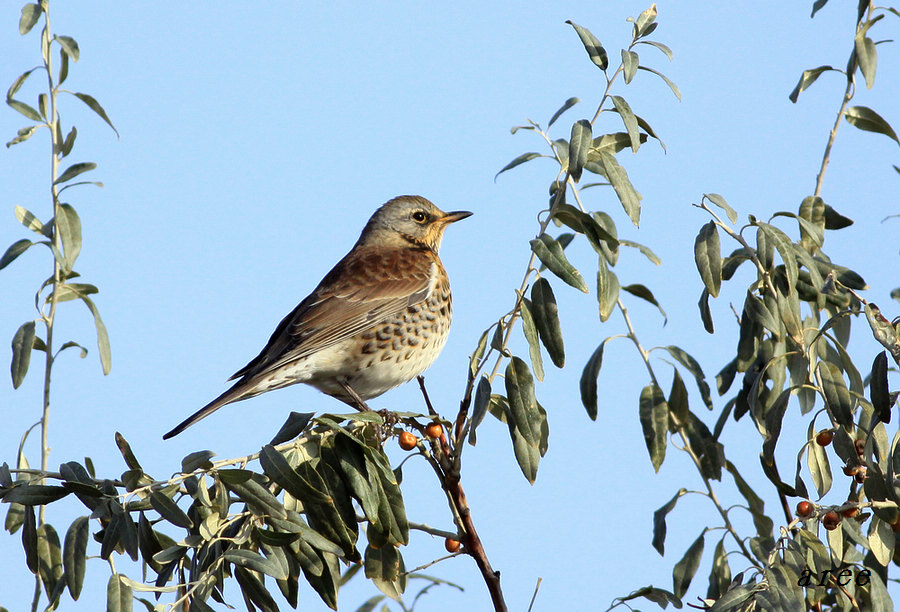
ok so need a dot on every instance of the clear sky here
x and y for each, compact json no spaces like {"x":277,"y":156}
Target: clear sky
{"x":256,"y":140}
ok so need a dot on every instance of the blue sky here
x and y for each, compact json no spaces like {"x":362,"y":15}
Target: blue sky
{"x":255,"y":143}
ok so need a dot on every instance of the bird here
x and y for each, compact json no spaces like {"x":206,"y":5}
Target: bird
{"x":378,"y":319}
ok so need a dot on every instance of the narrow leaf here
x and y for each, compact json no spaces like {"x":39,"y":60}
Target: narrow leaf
{"x":607,"y":289}
{"x":521,"y":159}
{"x":75,"y":555}
{"x":170,"y":511}
{"x":618,"y":178}
{"x":684,"y":571}
{"x":645,"y":294}
{"x":708,"y":257}
{"x":665,"y":79}
{"x":868,"y":120}
{"x":525,"y":420}
{"x":69,"y":45}
{"x":593,"y":47}
{"x":546,"y":318}
{"x":719,"y":201}
{"x":588,"y":383}
{"x":102,"y":336}
{"x":806,"y":79}
{"x":579,"y":145}
{"x":837,"y":396}
{"x":878,"y":388}
{"x":659,"y":522}
{"x":566,"y":106}
{"x":69,"y":225}
{"x":74,"y":170}
{"x":95,"y":106}
{"x":551,"y":254}
{"x":867,"y":56}
{"x":654,"y":416}
{"x":14,"y":250}
{"x":25,"y":109}
{"x":22,"y":343}
{"x":531,"y":336}
{"x":31,"y":12}
{"x":630,"y":121}
{"x":630,"y":61}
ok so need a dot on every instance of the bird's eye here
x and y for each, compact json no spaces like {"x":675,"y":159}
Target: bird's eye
{"x":419,"y":216}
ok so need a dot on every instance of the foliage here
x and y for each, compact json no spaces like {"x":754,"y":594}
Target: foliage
{"x":325,"y":495}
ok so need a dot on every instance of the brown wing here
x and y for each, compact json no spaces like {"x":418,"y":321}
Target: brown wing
{"x":365,"y":287}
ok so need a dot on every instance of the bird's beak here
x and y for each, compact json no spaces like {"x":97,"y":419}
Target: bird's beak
{"x":453,"y":217}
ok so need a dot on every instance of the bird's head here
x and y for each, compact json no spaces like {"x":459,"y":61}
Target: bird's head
{"x":407,"y":220}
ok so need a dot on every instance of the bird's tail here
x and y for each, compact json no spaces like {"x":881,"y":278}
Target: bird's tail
{"x":236,"y":393}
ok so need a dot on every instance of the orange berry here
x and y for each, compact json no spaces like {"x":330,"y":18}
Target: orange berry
{"x":434,"y":430}
{"x":805,"y":509}
{"x":850,"y":470}
{"x":850,"y":512}
{"x":825,"y":437}
{"x":408,"y":441}
{"x":860,"y":475}
{"x":451,"y":545}
{"x":831,"y":520}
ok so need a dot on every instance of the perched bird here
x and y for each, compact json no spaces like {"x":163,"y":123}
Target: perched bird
{"x":378,"y":319}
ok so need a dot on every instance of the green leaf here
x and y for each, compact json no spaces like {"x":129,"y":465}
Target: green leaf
{"x":95,"y":106}
{"x":786,"y":249}
{"x":719,"y":201}
{"x":664,"y":48}
{"x":593,"y":47}
{"x":630,"y":62}
{"x":678,"y":398}
{"x":22,"y":135}
{"x":607,"y":289}
{"x":69,"y":225}
{"x":276,"y":467}
{"x":22,"y":343}
{"x":551,"y":254}
{"x":654,"y":415}
{"x":566,"y":106}
{"x":588,"y":383}
{"x":817,"y":463}
{"x":665,"y":79}
{"x":69,"y":45}
{"x":102,"y":336}
{"x":705,"y":313}
{"x":645,"y":294}
{"x":197,"y":460}
{"x":835,"y":220}
{"x":684,"y":570}
{"x":17,"y":84}
{"x":74,"y":170}
{"x":757,"y":311}
{"x":868,"y":120}
{"x":808,"y":78}
{"x":630,"y":121}
{"x":119,"y":597}
{"x":878,"y":388}
{"x":521,"y":159}
{"x":34,"y":495}
{"x":25,"y":109}
{"x":618,"y":178}
{"x":63,"y":68}
{"x":612,"y":143}
{"x":685,"y":359}
{"x":31,"y":12}
{"x":75,"y":555}
{"x":659,"y":522}
{"x":708,"y":257}
{"x":14,"y":250}
{"x":525,"y":419}
{"x":837,"y":396}
{"x":69,"y":142}
{"x":579,"y":145}
{"x":866,"y":55}
{"x":384,"y":566}
{"x":531,"y":336}
{"x":169,"y":510}
{"x":546,"y":318}
{"x":256,"y":562}
{"x":49,"y":553}
{"x":26,"y":218}
{"x":480,"y":406}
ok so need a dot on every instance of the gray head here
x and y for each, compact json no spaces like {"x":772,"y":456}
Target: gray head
{"x":407,"y":220}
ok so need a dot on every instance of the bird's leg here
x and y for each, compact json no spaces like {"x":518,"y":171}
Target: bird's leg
{"x":356,"y":401}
